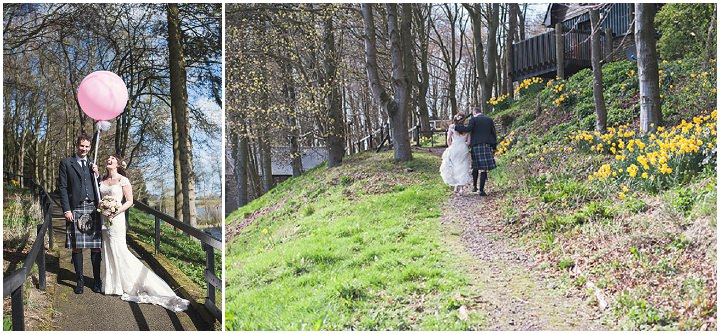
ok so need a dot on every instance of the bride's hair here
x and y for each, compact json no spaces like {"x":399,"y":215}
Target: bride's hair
{"x":459,"y":119}
{"x":122,"y":165}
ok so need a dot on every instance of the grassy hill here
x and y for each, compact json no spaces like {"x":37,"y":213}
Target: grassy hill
{"x":630,"y":219}
{"x":355,"y":247}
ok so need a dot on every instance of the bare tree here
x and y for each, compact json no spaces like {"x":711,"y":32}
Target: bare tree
{"x":486,"y":79}
{"x":396,"y":107}
{"x":178,"y":98}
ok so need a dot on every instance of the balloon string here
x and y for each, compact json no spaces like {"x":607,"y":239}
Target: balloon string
{"x":97,"y":141}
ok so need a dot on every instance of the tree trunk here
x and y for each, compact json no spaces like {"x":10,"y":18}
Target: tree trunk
{"x":266,"y":165}
{"x":560,"y":51}
{"x":241,"y":157}
{"x":474,"y":11}
{"x":491,"y":54}
{"x":178,"y":106}
{"x":335,"y":135}
{"x":512,"y":29}
{"x":647,"y":67}
{"x":595,"y":55}
{"x":521,"y":21}
{"x":396,"y":107}
{"x":291,"y":118}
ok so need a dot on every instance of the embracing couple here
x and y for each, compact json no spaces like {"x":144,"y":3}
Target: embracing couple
{"x":481,"y":144}
{"x":95,"y":219}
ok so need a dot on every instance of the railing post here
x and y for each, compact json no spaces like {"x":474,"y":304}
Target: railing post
{"x":417,"y":135}
{"x":210,"y":266}
{"x":48,"y":220}
{"x":157,"y":233}
{"x":16,"y":307}
{"x":42,"y":282}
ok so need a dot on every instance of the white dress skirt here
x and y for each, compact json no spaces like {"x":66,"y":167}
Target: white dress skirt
{"x":455,"y":167}
{"x":125,"y":275}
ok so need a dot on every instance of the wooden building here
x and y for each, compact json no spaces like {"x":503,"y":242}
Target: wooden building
{"x":536,"y":56}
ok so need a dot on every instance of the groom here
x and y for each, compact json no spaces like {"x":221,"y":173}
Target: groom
{"x":483,"y":141}
{"x":78,"y":197}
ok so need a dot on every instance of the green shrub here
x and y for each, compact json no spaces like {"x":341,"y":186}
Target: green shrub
{"x":683,"y":29}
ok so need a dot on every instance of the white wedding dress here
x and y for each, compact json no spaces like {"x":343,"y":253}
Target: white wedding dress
{"x":123,"y":274}
{"x":455,"y":167}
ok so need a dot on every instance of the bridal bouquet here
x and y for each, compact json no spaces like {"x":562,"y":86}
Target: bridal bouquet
{"x":108,"y":206}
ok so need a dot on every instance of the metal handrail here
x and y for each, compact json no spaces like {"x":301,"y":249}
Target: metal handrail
{"x":13,"y":283}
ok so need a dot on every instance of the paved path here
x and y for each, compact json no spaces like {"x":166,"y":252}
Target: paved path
{"x":98,"y":312}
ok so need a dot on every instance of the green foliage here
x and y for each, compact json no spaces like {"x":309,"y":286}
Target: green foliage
{"x":684,"y":200}
{"x":7,"y":323}
{"x":638,"y":314}
{"x":687,"y":87}
{"x":683,"y":29}
{"x":566,"y":263}
{"x":369,"y":253}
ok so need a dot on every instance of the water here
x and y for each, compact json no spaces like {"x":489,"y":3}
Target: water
{"x":216,"y":232}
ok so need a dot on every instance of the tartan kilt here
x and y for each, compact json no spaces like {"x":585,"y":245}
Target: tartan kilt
{"x":482,"y":157}
{"x":74,"y":238}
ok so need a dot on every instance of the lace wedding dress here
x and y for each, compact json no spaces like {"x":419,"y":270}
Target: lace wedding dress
{"x":455,"y":167}
{"x":123,"y":274}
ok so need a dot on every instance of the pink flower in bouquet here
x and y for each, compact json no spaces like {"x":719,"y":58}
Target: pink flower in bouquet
{"x":108,"y":207}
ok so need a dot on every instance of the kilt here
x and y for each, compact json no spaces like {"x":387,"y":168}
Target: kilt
{"x":75,"y":238}
{"x":482,"y":157}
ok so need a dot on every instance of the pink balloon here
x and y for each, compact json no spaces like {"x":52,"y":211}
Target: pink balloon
{"x":102,"y":95}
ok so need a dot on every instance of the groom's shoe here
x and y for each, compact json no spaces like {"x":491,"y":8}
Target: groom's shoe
{"x":80,"y":287}
{"x":474,"y":189}
{"x":77,"y":261}
{"x":482,"y":193}
{"x":97,"y":286}
{"x":95,"y":258}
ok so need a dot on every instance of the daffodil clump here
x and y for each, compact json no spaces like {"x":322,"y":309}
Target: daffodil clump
{"x":525,"y":84}
{"x":557,"y":87}
{"x":506,"y":144}
{"x":655,"y":161}
{"x":495,"y":100}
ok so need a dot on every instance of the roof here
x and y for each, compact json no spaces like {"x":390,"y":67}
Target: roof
{"x":561,"y":12}
{"x":281,"y":163}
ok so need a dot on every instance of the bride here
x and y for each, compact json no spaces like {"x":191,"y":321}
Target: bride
{"x":124,"y":274}
{"x":455,"y":167}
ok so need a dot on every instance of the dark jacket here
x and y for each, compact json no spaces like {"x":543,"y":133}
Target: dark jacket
{"x":71,"y":184}
{"x":482,"y":130}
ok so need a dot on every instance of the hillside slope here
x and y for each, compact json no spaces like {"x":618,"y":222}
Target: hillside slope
{"x":629,"y":219}
{"x":355,"y":247}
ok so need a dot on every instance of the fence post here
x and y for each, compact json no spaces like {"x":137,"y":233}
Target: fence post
{"x":157,"y":233}
{"x":210,"y":266}
{"x":42,"y":282}
{"x":16,"y":307}
{"x":48,"y":219}
{"x":417,"y":135}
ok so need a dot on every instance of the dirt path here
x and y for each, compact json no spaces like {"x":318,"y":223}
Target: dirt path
{"x":512,"y":291}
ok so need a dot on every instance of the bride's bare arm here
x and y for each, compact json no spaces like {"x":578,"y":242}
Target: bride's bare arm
{"x":449,"y":137}
{"x":127,"y":192}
